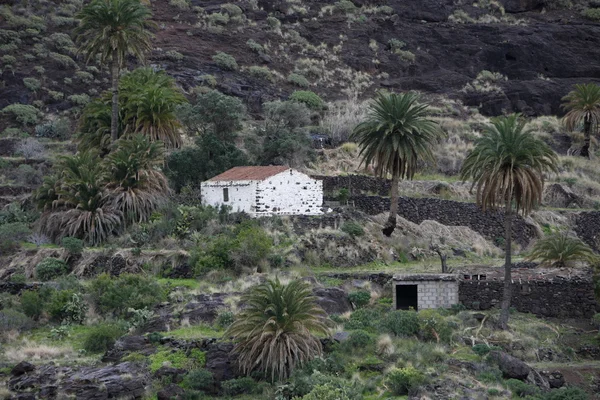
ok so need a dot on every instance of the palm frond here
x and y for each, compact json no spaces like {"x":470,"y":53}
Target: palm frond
{"x":508,"y":164}
{"x":561,"y":250}
{"x":582,"y":104}
{"x":275,"y":332}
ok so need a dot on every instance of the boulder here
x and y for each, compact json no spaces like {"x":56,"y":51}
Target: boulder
{"x":555,"y":378}
{"x":170,"y":392}
{"x":129,"y":344}
{"x":22,"y":368}
{"x":332,"y":300}
{"x":557,"y":195}
{"x":341,"y":336}
{"x":511,"y":367}
{"x":221,"y":362}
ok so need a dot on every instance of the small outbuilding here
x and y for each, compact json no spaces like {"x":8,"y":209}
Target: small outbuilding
{"x":272,"y":190}
{"x":420,"y":291}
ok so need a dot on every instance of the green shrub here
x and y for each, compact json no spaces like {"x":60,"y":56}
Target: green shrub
{"x":10,"y":235}
{"x":260,"y":72}
{"x":32,"y":84}
{"x":401,"y":323}
{"x":32,"y":304}
{"x":224,"y":319}
{"x":225,"y":61}
{"x":22,"y":113}
{"x":73,"y":245}
{"x":62,"y":60}
{"x":50,"y":268}
{"x":482,"y":349}
{"x":57,"y":302}
{"x":311,"y":99}
{"x":101,"y":338}
{"x":298,"y":80}
{"x":174,"y":56}
{"x":273,"y":23}
{"x":232,"y":9}
{"x":521,"y":388}
{"x":567,"y":393}
{"x":359,"y":298}
{"x":74,"y":310}
{"x":218,"y":19}
{"x":245,"y":385}
{"x":404,"y":380}
{"x":360,"y":339}
{"x":592,"y":13}
{"x":199,"y":379}
{"x":433,"y":326}
{"x":116,"y":295}
{"x":353,"y":228}
{"x":327,"y":392}
{"x":181,"y":4}
{"x":364,"y":318}
{"x":255,"y":46}
{"x":177,"y":359}
{"x":12,"y":320}
{"x":79,"y":99}
{"x":8,"y":60}
{"x":345,"y":6}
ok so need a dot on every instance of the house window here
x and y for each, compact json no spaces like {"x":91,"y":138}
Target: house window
{"x":225,"y":194}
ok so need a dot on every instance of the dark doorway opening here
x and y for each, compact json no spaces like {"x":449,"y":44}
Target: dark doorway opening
{"x":406,"y":297}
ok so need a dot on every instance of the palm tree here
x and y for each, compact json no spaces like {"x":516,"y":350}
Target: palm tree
{"x":583,"y":105}
{"x":275,"y":332}
{"x":111,"y":30}
{"x":395,"y":136}
{"x":136,"y":185}
{"x":81,"y":206}
{"x":507,"y":165}
{"x":150,"y":104}
{"x":147,"y":103}
{"x":561,"y":249}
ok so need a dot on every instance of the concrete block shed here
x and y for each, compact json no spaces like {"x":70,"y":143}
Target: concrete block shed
{"x":421,"y":291}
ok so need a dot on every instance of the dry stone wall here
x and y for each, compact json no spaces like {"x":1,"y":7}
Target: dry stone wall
{"x":556,"y":297}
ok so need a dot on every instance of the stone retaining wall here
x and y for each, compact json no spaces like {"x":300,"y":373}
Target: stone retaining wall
{"x":557,"y":297}
{"x":587,"y":227}
{"x":451,"y":213}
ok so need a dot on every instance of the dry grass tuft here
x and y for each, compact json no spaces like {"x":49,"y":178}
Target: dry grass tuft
{"x":34,"y":351}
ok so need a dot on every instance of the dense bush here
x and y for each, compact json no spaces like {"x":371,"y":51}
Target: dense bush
{"x":225,"y":61}
{"x":10,"y":234}
{"x":50,"y":268}
{"x":24,"y":114}
{"x":401,"y":323}
{"x":116,"y":295}
{"x":353,"y":228}
{"x":359,"y":339}
{"x":57,"y":303}
{"x":102,"y":337}
{"x":359,"y":298}
{"x":304,"y":382}
{"x":404,"y":380}
{"x":433,"y":326}
{"x":177,"y":359}
{"x":522,"y":389}
{"x":261,"y":72}
{"x":199,"y":379}
{"x":73,"y":245}
{"x":12,"y":320}
{"x":592,"y":13}
{"x":567,"y":393}
{"x":298,"y":80}
{"x":311,"y":99}
{"x":327,"y":392}
{"x":32,"y":304}
{"x":245,"y":385}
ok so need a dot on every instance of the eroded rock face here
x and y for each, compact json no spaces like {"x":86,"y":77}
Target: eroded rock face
{"x":221,"y":362}
{"x":204,"y":308}
{"x":129,"y":344}
{"x":121,"y":381}
{"x":517,"y":6}
{"x":511,"y":367}
{"x":332,"y":300}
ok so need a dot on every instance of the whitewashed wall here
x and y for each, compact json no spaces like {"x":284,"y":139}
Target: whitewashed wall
{"x":289,"y":192}
{"x":242,"y":194}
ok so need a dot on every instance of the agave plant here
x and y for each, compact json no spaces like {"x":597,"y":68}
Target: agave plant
{"x":275,"y":332}
{"x":136,"y":185}
{"x":80,"y":205}
{"x":561,"y":250}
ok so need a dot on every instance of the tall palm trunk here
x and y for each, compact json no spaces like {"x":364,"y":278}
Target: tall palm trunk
{"x":390,"y":225}
{"x":587,"y":128}
{"x":114,"y":121}
{"x":507,"y":292}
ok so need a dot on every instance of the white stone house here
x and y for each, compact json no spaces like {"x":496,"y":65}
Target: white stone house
{"x":273,"y":190}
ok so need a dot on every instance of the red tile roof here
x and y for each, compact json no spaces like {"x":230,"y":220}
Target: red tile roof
{"x":249,"y":173}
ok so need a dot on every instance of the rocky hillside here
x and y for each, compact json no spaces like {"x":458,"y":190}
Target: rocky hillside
{"x":534,"y":50}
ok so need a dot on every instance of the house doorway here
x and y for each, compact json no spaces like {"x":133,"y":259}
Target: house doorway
{"x":406,"y":297}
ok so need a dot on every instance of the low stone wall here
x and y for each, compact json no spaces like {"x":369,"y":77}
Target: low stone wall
{"x":587,"y":227}
{"x":356,"y":184}
{"x":557,"y":297}
{"x":451,"y":213}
